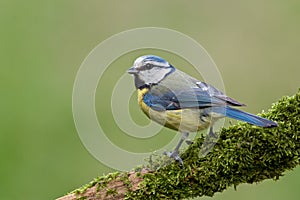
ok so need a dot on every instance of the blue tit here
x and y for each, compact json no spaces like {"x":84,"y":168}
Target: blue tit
{"x":180,"y":102}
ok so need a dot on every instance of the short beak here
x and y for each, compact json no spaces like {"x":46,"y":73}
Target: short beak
{"x":132,"y":70}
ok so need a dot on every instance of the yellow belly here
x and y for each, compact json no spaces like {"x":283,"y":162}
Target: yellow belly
{"x":184,"y":120}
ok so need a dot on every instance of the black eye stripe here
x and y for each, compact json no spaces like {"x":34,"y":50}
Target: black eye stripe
{"x":146,"y":67}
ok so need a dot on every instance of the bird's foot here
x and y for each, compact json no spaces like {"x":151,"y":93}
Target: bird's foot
{"x":175,"y":155}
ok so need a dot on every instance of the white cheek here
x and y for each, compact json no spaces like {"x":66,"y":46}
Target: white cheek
{"x":154,"y":75}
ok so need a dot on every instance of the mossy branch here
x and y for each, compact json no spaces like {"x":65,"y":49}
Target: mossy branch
{"x":243,"y":154}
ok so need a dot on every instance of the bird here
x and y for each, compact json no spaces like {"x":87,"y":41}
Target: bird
{"x":180,"y":102}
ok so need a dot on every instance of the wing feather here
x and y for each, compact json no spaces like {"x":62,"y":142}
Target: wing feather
{"x":202,"y":96}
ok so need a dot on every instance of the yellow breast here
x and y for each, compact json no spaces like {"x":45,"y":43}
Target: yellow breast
{"x":141,"y":94}
{"x":184,"y":120}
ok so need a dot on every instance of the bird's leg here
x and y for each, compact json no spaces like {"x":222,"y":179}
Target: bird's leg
{"x":175,"y":153}
{"x":211,"y":132}
{"x":183,"y":137}
{"x":208,"y":143}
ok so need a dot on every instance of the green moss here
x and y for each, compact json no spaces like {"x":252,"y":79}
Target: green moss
{"x":110,"y":191}
{"x":101,"y":182}
{"x":125,"y":179}
{"x":243,"y":154}
{"x":82,"y":198}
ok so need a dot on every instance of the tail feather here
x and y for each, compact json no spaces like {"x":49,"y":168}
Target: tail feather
{"x":246,"y":117}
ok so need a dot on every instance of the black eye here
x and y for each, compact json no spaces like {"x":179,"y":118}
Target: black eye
{"x":148,"y":66}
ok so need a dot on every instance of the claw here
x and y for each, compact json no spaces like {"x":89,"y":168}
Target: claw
{"x":174,"y":155}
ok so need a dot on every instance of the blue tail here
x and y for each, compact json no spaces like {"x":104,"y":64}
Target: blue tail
{"x":244,"y":116}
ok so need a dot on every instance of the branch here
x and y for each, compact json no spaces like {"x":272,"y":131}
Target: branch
{"x":243,"y":154}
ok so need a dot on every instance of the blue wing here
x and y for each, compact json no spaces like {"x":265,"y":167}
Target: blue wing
{"x":202,"y":96}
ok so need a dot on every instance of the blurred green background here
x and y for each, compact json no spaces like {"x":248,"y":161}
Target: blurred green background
{"x":255,"y":45}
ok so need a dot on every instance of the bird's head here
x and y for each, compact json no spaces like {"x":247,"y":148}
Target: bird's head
{"x":150,"y":70}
